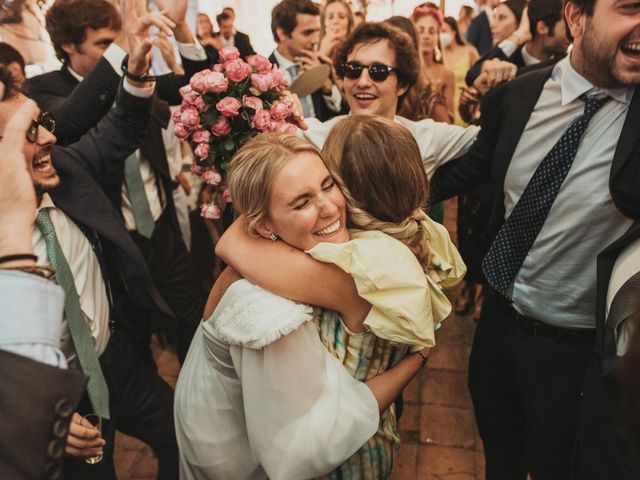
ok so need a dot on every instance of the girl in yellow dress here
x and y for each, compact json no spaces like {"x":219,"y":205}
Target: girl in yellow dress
{"x":376,"y":162}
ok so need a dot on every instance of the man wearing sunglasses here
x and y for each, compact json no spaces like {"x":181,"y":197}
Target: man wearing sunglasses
{"x":110,"y":298}
{"x":377,"y":65}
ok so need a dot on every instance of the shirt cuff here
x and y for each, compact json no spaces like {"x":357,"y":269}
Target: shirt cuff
{"x":508,"y":47}
{"x":115,"y":55}
{"x":192,"y":51}
{"x":142,"y":92}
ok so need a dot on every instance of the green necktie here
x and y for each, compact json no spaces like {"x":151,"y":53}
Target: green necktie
{"x":78,"y":328}
{"x":138,"y":197}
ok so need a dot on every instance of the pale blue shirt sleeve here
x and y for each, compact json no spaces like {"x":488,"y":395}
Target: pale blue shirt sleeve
{"x":31,"y":317}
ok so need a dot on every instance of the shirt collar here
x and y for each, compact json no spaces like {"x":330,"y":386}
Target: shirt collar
{"x":283,"y":62}
{"x":76,"y":75}
{"x":527,"y":57}
{"x":46,"y":202}
{"x":573,"y":85}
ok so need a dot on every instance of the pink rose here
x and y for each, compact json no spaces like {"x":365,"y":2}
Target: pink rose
{"x":200,"y":104}
{"x":228,"y":53}
{"x":262,"y":81}
{"x":215,"y":82}
{"x":212,"y":177}
{"x":280,"y":110}
{"x":252,"y":102}
{"x":210,"y":211}
{"x":188,"y":94}
{"x":226,"y":196}
{"x":283,"y":127}
{"x":237,"y":70}
{"x":218,"y":67}
{"x":260,"y":63}
{"x":201,"y":136}
{"x":189,"y":117}
{"x":197,"y":80}
{"x":196,"y":169}
{"x":279,"y":80}
{"x":175,"y":116}
{"x":180,"y":131}
{"x":229,"y":106}
{"x":221,"y":127}
{"x":202,"y":150}
{"x":262,"y":121}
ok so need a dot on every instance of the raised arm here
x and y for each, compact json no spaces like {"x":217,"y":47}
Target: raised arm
{"x":290,"y":273}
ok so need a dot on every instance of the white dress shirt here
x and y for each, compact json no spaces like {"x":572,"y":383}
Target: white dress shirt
{"x":438,"y":142}
{"x":626,"y":266}
{"x":32,"y":312}
{"x":557,"y":281}
{"x":87,"y":275}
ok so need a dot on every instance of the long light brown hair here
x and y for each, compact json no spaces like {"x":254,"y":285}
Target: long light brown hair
{"x":377,"y":164}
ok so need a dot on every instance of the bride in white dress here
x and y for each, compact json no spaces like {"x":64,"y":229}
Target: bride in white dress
{"x":259,"y":396}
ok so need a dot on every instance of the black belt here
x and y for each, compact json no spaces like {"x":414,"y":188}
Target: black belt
{"x":535,"y":328}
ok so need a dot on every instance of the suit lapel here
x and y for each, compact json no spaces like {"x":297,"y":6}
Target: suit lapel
{"x":519,"y":104}
{"x":629,"y":135}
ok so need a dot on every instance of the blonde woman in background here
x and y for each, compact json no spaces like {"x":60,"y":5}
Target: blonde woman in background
{"x":458,"y":56}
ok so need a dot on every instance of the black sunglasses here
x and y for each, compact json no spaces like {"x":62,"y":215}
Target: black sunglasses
{"x":46,"y":120}
{"x":378,"y":72}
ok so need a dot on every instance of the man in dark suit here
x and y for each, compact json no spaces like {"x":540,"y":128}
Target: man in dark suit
{"x":552,"y":214}
{"x":605,"y":445}
{"x":295,"y":25}
{"x":545,"y":40}
{"x":80,"y":94}
{"x":38,"y":393}
{"x":230,"y":37}
{"x":110,"y":298}
{"x":479,"y":32}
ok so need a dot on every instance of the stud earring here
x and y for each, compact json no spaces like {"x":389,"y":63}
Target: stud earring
{"x":273,"y":237}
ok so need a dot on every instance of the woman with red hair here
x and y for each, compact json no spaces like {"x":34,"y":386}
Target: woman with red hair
{"x":428,"y":21}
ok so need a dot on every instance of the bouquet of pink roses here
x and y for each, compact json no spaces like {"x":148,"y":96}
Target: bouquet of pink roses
{"x":223,"y":108}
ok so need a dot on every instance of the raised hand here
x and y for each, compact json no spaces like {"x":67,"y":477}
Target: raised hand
{"x":17,"y":196}
{"x":494,"y":72}
{"x":176,"y":10}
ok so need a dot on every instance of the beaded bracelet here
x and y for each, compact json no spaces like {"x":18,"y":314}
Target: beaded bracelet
{"x":424,"y":359}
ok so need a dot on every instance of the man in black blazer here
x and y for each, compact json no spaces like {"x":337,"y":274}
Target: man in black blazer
{"x":115,"y":291}
{"x":537,"y":329}
{"x":230,"y":37}
{"x":81,"y":93}
{"x":605,"y":448}
{"x":295,"y":25}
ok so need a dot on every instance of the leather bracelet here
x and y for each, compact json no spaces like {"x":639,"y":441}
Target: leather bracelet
{"x":43,"y":271}
{"x":134,"y":77}
{"x":18,"y":256}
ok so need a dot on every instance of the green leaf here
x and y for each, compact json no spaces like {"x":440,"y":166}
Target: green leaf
{"x":229,"y":145}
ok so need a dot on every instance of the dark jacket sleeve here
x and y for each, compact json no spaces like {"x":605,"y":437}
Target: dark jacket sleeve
{"x":103,"y":149}
{"x":476,"y":68}
{"x":37,"y":403}
{"x":81,"y":109}
{"x":474,"y":168}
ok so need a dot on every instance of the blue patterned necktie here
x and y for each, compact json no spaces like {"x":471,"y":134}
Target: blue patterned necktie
{"x":519,"y":231}
{"x":80,"y":334}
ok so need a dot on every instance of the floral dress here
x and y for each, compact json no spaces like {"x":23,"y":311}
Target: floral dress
{"x":402,"y":319}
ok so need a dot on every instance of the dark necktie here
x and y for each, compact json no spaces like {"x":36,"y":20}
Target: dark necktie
{"x":519,"y":231}
{"x":80,"y":334}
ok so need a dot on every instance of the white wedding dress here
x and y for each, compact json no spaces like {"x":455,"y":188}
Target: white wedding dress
{"x":260,"y":397}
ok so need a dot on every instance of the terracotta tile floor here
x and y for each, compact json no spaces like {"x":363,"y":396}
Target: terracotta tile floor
{"x":439,"y":437}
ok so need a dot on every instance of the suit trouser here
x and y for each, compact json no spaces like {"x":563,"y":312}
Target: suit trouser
{"x":525,"y":391}
{"x":141,"y":405}
{"x":604,"y":450}
{"x":175,"y":277}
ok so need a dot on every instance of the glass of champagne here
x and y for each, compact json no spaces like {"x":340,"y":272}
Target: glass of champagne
{"x":96,"y":422}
